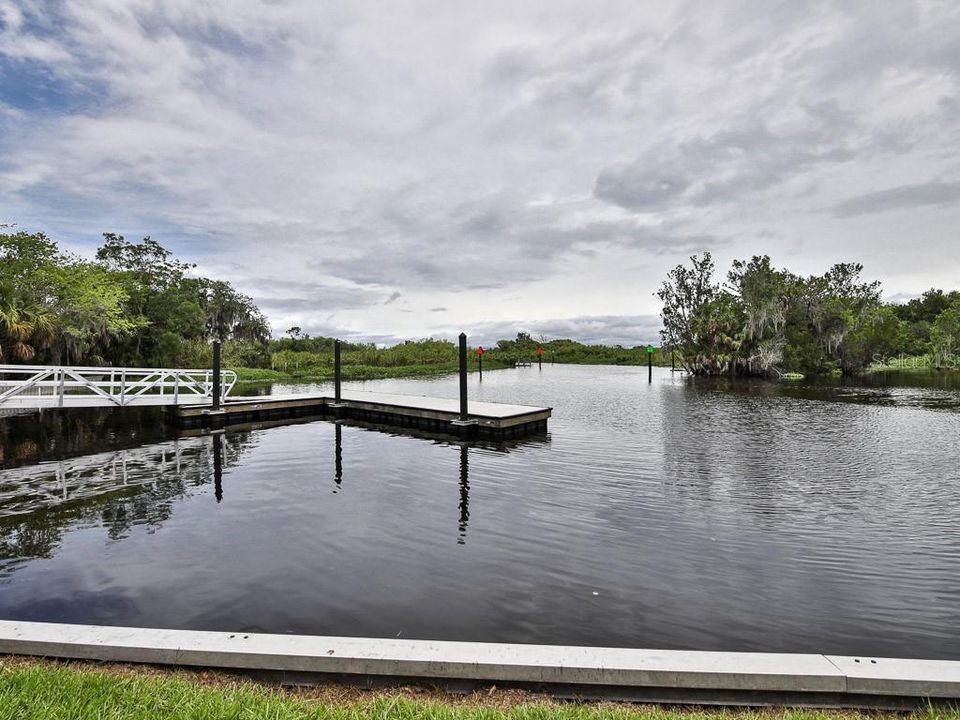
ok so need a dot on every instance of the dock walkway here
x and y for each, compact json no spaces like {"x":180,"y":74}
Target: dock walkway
{"x":489,"y":420}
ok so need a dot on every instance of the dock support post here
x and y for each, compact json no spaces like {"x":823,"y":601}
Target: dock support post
{"x":216,"y":375}
{"x":336,"y":371}
{"x":464,"y":414}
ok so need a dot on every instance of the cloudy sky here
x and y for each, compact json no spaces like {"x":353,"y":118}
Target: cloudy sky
{"x":384,"y":170}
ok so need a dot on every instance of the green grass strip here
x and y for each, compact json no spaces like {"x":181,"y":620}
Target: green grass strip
{"x":36,"y":690}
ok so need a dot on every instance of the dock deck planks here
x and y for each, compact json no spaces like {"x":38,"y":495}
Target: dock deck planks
{"x":497,"y":420}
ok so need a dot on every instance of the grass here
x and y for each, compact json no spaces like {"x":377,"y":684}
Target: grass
{"x":33,"y":689}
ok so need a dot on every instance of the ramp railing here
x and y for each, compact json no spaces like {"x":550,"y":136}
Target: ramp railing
{"x":40,"y":386}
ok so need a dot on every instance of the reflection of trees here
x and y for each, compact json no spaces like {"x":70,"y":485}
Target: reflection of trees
{"x":56,"y":433}
{"x":118,"y":489}
{"x":127,"y":486}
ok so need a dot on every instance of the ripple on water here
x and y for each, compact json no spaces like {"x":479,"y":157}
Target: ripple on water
{"x":681,"y":513}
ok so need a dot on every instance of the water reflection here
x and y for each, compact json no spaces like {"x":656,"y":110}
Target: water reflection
{"x":118,"y":489}
{"x":218,"y":466}
{"x":464,"y":494}
{"x":127,"y":487}
{"x":338,"y":456}
{"x":60,"y":433}
{"x":931,"y":390}
{"x":681,"y":514}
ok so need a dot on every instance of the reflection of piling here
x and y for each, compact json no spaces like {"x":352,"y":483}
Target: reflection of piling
{"x":464,"y":414}
{"x":216,"y":375}
{"x":336,"y":371}
{"x":464,"y":495}
{"x":218,"y":466}
{"x":338,"y":456}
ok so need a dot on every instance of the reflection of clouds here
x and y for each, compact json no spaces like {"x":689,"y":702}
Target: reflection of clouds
{"x":682,"y":513}
{"x":791,"y":502}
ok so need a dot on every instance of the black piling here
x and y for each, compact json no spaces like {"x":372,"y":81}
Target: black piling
{"x":480,"y":362}
{"x":650,"y":364}
{"x":336,"y":371}
{"x":216,"y":375}
{"x":464,"y":414}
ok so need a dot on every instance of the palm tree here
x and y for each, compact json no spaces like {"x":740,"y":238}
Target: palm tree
{"x":16,"y":331}
{"x":24,"y":332}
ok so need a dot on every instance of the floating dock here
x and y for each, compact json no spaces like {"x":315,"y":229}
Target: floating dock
{"x":689,"y":677}
{"x":484,"y":420}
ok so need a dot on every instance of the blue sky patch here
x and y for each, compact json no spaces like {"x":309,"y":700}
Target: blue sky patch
{"x":33,"y":87}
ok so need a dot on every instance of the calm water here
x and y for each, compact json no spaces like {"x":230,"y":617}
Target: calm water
{"x":698,"y":515}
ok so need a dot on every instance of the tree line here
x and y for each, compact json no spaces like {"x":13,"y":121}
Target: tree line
{"x":135,"y":304}
{"x":764,"y":321}
{"x":300,"y":354}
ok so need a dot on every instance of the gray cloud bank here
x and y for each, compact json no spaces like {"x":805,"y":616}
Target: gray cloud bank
{"x":904,"y":196}
{"x":358,"y":170}
{"x":626,"y":330}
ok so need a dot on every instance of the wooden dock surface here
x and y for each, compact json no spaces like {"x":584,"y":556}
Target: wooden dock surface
{"x":485,"y":419}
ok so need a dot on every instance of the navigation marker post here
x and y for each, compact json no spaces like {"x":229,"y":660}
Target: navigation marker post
{"x":540,"y":356}
{"x":480,"y":360}
{"x":649,"y":363}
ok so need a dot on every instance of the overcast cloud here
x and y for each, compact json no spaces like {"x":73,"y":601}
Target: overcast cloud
{"x":392,"y":170}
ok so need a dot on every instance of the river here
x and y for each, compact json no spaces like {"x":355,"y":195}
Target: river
{"x":684,"y":513}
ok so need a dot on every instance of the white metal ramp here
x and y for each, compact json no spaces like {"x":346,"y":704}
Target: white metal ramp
{"x":41,"y":386}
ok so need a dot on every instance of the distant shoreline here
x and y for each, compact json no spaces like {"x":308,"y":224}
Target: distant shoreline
{"x":252,"y":376}
{"x":248,"y":375}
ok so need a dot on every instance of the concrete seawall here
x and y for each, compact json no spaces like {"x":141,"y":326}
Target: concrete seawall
{"x":587,"y":672}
